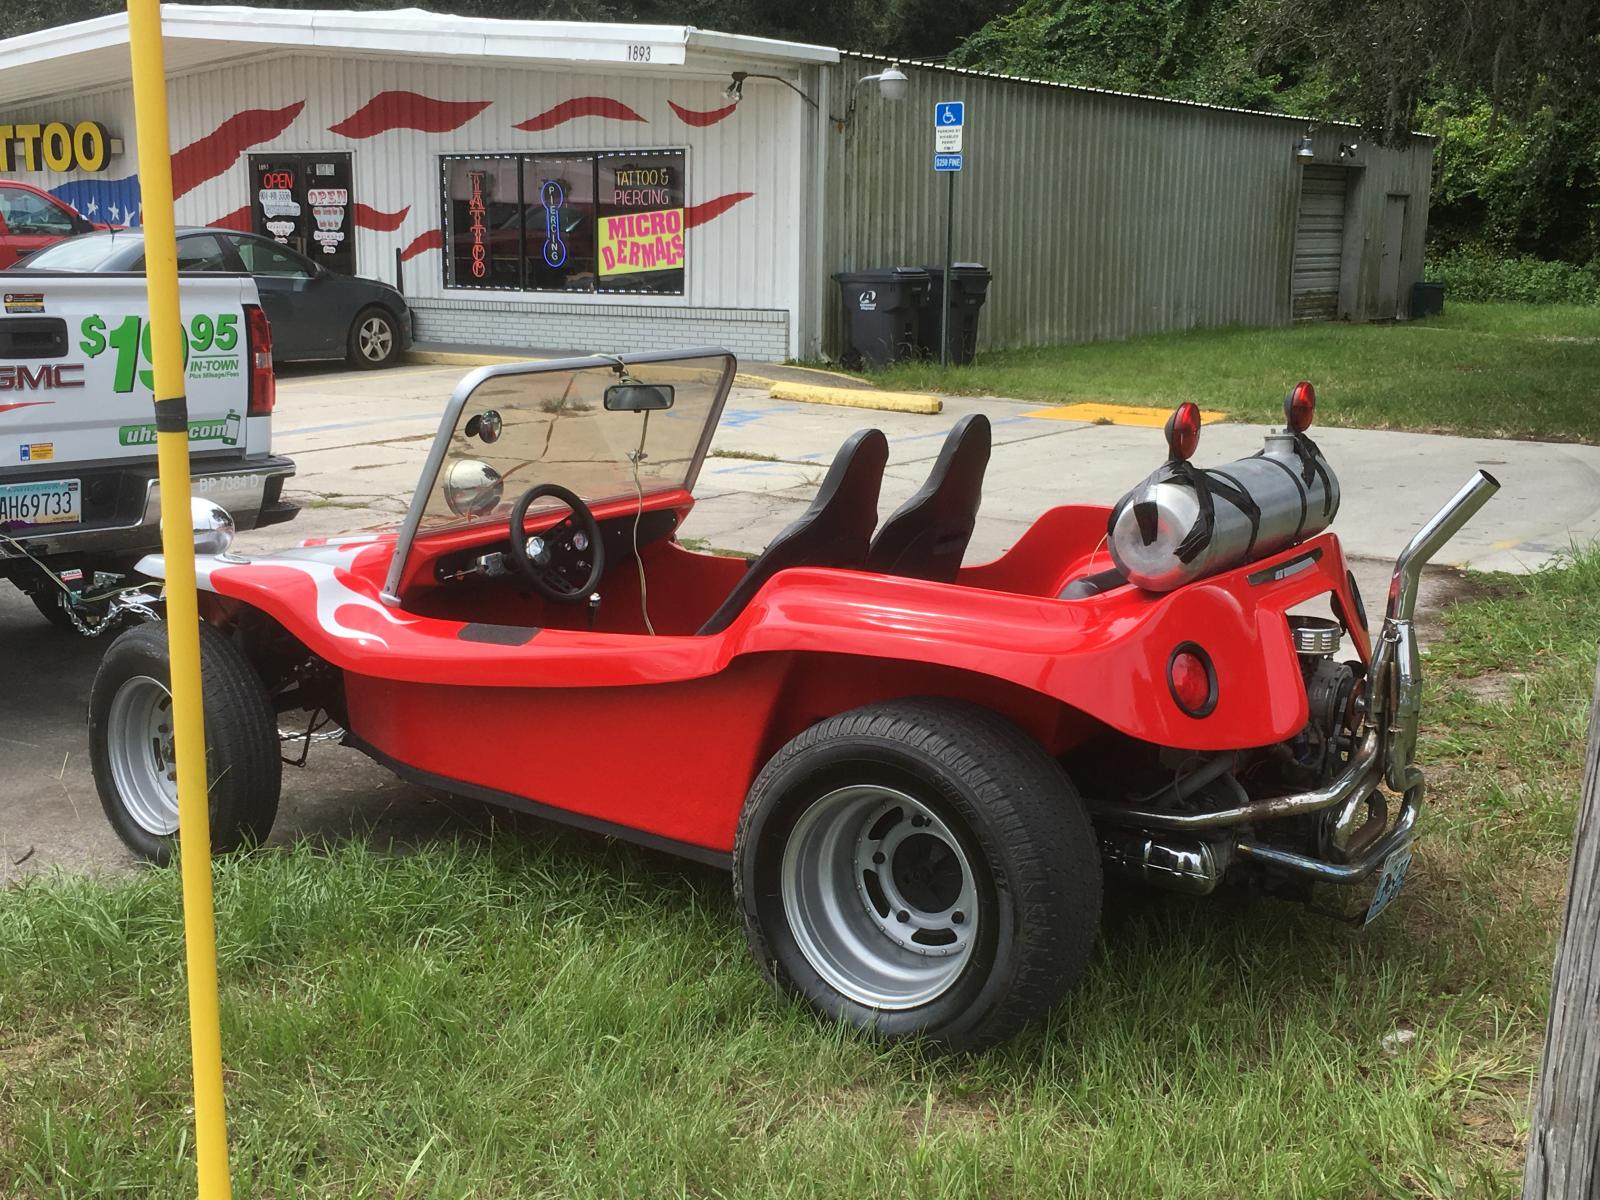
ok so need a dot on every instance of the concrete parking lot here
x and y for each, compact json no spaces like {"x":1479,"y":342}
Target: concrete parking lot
{"x":359,"y":440}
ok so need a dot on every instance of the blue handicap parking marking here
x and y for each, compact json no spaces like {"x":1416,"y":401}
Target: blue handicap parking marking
{"x":950,"y":112}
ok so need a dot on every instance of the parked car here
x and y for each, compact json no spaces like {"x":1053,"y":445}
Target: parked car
{"x":915,"y":769}
{"x":31,"y":220}
{"x":315,"y":313}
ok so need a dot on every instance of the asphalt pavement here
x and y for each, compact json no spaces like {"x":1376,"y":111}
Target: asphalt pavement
{"x":359,"y":440}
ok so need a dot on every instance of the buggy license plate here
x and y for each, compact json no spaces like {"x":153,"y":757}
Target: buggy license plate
{"x":1390,"y":877}
{"x":47,"y":502}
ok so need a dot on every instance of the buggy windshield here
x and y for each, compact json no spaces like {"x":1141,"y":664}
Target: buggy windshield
{"x":527,"y":424}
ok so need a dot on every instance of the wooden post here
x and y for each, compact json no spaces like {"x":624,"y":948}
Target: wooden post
{"x":1564,"y":1143}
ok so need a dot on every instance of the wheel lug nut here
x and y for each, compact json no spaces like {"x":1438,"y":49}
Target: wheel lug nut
{"x":877,"y":857}
{"x":957,"y":917}
{"x":904,"y":916}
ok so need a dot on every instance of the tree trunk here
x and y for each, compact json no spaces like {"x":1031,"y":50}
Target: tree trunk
{"x":1564,"y":1144}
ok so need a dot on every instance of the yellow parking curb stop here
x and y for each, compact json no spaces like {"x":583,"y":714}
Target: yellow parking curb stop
{"x":906,"y":402}
{"x":461,"y":358}
{"x":1117,"y":414}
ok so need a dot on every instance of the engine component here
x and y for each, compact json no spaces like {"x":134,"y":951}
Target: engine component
{"x":1186,"y":522}
{"x":1315,"y":636}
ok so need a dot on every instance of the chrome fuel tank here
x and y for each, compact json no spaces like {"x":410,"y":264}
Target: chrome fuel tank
{"x":1260,"y":505}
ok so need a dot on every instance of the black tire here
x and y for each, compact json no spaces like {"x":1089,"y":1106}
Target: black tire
{"x":373,"y":332}
{"x":244,"y":771}
{"x":1019,"y":824}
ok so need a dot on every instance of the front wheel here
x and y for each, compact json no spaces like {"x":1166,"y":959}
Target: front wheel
{"x":374,"y":339}
{"x":920,"y":868}
{"x":131,"y":743}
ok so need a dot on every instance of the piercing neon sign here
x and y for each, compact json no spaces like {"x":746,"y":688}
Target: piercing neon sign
{"x":552,"y":197}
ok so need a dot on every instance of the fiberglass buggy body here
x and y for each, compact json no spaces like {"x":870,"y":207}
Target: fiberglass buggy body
{"x":916,"y":768}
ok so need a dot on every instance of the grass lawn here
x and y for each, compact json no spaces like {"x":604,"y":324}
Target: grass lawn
{"x":1498,"y":370}
{"x":542,"y":1013}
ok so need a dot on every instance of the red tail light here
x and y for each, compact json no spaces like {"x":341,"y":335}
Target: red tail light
{"x":1193,"y":680}
{"x":263,"y":383}
{"x":1183,"y":431}
{"x":1299,"y":406}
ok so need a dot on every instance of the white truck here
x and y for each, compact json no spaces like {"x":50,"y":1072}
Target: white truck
{"x":79,"y":498}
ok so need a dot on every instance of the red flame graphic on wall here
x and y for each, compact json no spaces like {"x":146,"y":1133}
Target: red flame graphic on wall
{"x":700,"y":118}
{"x":220,"y":149}
{"x":582,"y":106}
{"x":407,"y":110}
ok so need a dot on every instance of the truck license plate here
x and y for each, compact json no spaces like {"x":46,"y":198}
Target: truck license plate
{"x":47,"y":502}
{"x":1390,"y":877}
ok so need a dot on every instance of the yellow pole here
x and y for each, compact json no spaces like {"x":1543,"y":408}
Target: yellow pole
{"x":183,"y":615}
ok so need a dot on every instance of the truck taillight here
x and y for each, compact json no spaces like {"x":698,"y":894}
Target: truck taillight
{"x":263,"y":383}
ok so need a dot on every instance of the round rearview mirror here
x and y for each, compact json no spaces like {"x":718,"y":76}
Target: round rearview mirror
{"x":471,"y":488}
{"x":212,"y":526}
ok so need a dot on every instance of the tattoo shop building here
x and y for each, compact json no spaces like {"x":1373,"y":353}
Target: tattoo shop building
{"x":557,"y":185}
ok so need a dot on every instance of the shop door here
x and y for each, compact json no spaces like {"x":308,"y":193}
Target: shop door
{"x":303,"y":201}
{"x":1318,"y":244}
{"x":1394,"y":242}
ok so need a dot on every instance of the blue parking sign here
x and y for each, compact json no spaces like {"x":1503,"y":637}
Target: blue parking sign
{"x":947,"y":162}
{"x":948,"y":114}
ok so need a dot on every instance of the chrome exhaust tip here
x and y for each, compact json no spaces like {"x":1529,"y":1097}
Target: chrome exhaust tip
{"x":1430,"y":539}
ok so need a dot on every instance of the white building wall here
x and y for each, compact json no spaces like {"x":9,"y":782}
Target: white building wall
{"x":743,"y":270}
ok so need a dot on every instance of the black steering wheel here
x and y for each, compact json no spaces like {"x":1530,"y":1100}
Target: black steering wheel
{"x":552,"y":559}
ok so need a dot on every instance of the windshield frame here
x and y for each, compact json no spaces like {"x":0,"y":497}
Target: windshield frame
{"x":473,"y":380}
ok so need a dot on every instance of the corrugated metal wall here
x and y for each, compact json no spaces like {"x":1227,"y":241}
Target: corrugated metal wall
{"x":1101,"y":215}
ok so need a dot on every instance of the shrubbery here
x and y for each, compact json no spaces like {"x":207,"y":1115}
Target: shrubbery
{"x":1475,"y":273}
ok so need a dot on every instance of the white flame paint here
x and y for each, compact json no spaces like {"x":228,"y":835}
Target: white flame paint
{"x":320,"y":564}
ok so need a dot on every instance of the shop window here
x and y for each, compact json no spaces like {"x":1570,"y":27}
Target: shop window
{"x":609,"y":222}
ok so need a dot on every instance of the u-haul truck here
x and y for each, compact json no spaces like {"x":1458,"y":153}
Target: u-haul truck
{"x":79,"y":500}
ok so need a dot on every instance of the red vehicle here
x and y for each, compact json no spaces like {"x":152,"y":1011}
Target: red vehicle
{"x":31,"y":219}
{"x":916,"y":769}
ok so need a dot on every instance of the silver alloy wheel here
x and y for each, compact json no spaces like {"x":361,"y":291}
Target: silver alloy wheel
{"x":139,"y":737}
{"x":879,"y":896}
{"x":375,"y":338}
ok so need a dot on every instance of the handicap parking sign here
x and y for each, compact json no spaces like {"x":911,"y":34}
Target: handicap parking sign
{"x":948,"y":114}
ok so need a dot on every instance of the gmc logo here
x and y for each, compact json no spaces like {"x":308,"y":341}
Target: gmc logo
{"x":33,"y":379}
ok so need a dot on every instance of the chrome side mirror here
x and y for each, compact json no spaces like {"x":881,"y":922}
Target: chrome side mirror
{"x":212,"y":526}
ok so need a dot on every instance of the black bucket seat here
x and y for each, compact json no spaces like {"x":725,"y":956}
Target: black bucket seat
{"x":927,"y":536}
{"x":834,"y":531}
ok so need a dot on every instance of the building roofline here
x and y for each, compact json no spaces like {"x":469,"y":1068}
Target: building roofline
{"x":406,"y":31}
{"x":923,"y":65}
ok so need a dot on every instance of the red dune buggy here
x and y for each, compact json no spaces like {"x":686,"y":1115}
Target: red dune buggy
{"x":915,"y":768}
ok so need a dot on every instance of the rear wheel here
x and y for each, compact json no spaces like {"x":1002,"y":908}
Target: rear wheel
{"x":374,"y":339}
{"x":919,"y":868}
{"x":131,"y":744}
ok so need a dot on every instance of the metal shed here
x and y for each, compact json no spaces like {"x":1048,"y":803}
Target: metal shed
{"x":1104,"y":214}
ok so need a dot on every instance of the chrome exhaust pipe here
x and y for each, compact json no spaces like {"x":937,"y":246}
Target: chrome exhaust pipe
{"x":1394,"y":693}
{"x":1430,"y":539}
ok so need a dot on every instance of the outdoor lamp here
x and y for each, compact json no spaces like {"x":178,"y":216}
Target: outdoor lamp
{"x":892,"y":85}
{"x":1304,"y":151}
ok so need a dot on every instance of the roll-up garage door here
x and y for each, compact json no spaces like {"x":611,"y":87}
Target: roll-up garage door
{"x":1319,"y":244}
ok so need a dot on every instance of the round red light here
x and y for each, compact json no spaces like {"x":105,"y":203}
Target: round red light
{"x":1183,"y":431}
{"x":1194,"y":685}
{"x":1299,"y":406}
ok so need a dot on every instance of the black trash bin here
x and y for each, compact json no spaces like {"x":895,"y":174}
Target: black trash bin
{"x":969,"y":288}
{"x":881,"y":309}
{"x":1427,"y":300}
